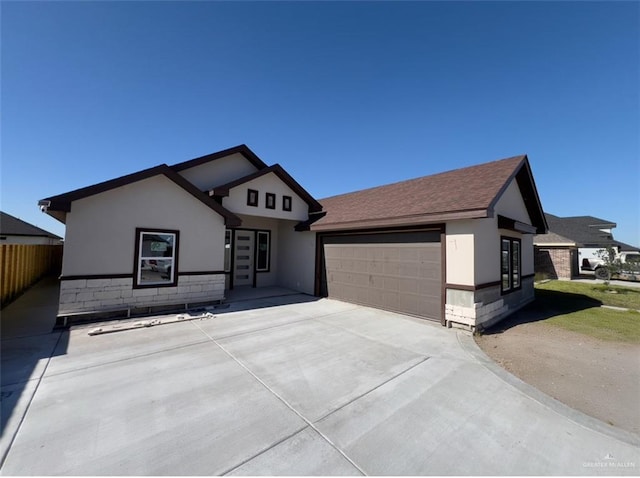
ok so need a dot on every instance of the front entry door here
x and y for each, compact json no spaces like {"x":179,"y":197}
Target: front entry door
{"x":243,"y":258}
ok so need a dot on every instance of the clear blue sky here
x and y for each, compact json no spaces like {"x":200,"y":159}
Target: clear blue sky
{"x":344,"y":95}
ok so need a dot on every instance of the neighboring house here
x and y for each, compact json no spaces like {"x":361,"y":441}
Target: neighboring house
{"x":17,"y":231}
{"x":559,"y":254}
{"x":455,"y":247}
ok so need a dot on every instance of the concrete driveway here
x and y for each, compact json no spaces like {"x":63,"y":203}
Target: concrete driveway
{"x":287,"y":386}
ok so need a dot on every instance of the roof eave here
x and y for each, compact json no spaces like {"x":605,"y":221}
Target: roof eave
{"x":413,"y":220}
{"x":62,"y":202}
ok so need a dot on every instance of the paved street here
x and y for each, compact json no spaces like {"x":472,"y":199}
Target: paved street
{"x":286,"y":385}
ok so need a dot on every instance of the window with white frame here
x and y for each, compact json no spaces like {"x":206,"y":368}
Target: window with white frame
{"x":510,"y":264}
{"x":156,"y":258}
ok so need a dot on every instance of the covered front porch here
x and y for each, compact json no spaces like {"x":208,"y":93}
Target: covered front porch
{"x":267,"y":253}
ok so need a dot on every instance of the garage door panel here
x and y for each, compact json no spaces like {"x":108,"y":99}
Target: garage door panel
{"x":401,"y":275}
{"x":408,"y":254}
{"x":391,"y":268}
{"x":391,"y":284}
{"x":429,"y":308}
{"x":375,"y":267}
{"x":430,"y":255}
{"x":408,"y":286}
{"x":390,"y":299}
{"x":431,"y":273}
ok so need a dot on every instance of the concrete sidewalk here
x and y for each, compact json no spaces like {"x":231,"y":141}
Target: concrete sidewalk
{"x":293,"y":385}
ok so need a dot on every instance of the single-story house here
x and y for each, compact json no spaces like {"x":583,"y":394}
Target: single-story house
{"x":16,"y":231}
{"x":570,"y":241}
{"x":455,"y":247}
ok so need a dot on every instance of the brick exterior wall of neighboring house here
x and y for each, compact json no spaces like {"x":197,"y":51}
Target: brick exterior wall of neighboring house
{"x":556,"y":262}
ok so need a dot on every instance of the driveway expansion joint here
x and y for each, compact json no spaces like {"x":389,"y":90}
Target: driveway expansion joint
{"x":125,"y":359}
{"x":411,"y":367}
{"x":372,"y":339}
{"x":273,"y":445}
{"x":285,"y":402}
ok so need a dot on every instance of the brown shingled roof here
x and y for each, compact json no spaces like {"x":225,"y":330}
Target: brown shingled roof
{"x":463,"y":193}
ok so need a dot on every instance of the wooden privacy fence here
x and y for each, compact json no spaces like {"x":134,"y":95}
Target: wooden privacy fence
{"x":21,"y":265}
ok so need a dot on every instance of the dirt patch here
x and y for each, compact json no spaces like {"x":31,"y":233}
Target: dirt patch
{"x":599,"y":378}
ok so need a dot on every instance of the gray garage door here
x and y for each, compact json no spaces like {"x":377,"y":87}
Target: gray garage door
{"x":399,"y":271}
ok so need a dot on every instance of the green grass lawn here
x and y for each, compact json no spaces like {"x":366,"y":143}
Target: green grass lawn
{"x":575,"y":306}
{"x":604,"y":324}
{"x":623,"y":297}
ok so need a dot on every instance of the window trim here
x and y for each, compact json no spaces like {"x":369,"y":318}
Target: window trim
{"x":256,"y":268}
{"x":255,"y":194}
{"x":286,"y":203}
{"x":272,"y":197}
{"x":137,"y":257}
{"x":512,"y":287}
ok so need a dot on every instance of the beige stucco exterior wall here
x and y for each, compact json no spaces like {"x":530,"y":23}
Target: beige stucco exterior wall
{"x":296,"y":268}
{"x":487,"y":250}
{"x":511,"y":204}
{"x":473,"y":246}
{"x":219,"y":172}
{"x":473,"y":249}
{"x":460,"y":252}
{"x":100,"y":232}
{"x":236,"y":202}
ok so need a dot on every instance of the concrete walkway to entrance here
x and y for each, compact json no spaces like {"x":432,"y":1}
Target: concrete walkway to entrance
{"x":286,"y":385}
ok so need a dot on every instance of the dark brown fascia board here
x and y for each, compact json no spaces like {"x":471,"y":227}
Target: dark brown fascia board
{"x":506,"y":184}
{"x":523,"y":176}
{"x":230,"y":219}
{"x":421,"y":219}
{"x":313,"y":217}
{"x":243,"y":149}
{"x":514,"y":225}
{"x":314,"y":206}
{"x":527,"y":183}
{"x":63,"y":202}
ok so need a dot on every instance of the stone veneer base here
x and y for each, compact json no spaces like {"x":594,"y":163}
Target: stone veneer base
{"x":477,"y":310}
{"x":108,"y":296}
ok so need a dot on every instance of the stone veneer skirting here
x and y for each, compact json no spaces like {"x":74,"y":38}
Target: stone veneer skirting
{"x":96,"y":295}
{"x":482,"y":308}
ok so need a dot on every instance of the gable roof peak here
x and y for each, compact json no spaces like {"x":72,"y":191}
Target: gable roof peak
{"x":279,"y":171}
{"x":242,"y":149}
